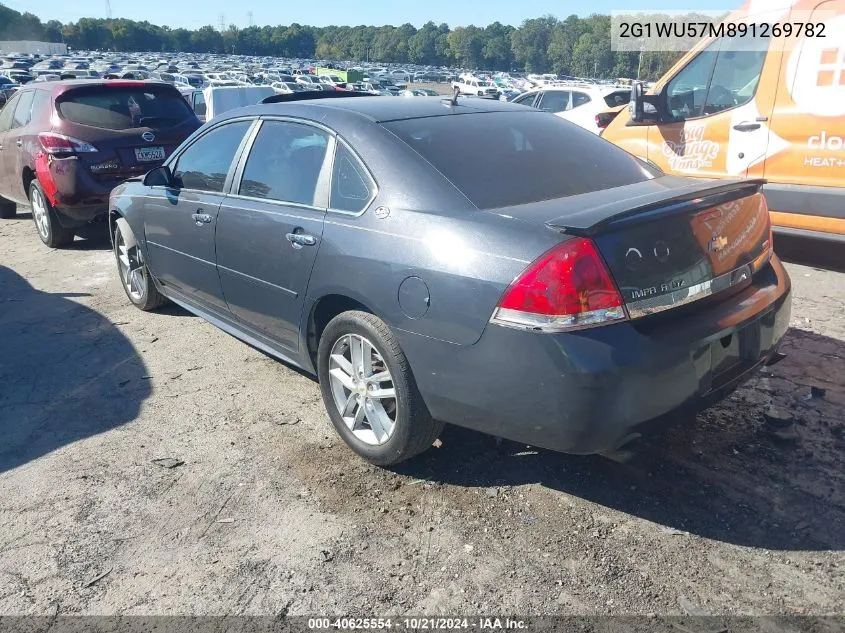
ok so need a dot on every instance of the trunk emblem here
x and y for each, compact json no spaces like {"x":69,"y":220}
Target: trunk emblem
{"x":149,"y":137}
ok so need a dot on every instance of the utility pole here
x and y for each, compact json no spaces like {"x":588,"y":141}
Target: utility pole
{"x":222,"y":22}
{"x":108,"y":10}
{"x":249,"y":19}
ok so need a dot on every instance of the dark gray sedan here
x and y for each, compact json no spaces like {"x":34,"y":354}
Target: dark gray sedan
{"x":476,"y":263}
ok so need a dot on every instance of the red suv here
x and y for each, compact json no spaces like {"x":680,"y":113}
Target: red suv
{"x":65,"y":145}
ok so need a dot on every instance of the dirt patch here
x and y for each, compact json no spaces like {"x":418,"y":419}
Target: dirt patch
{"x":268,"y":512}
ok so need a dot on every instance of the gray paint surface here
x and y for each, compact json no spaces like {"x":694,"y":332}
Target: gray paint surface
{"x":433,"y":269}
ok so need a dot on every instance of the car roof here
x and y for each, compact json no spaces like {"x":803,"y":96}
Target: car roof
{"x":379,"y":109}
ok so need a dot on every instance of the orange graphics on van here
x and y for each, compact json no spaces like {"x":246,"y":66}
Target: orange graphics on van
{"x":773,"y":111}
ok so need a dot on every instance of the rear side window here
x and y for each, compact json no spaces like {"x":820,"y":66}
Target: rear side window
{"x":123,"y":108}
{"x":500,"y":159}
{"x":205,"y":164}
{"x":352,"y":187}
{"x":618,"y":98}
{"x":22,"y":112}
{"x":40,"y":106}
{"x":284,"y":163}
{"x":580,"y":98}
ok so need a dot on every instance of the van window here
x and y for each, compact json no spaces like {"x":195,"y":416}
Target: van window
{"x":719,"y":78}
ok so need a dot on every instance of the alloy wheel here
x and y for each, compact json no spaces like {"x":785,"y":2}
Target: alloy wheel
{"x":363,"y":389}
{"x":40,"y":213}
{"x":132,"y":272}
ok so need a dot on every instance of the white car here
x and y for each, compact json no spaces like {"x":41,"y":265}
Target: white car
{"x":476,"y":87}
{"x":287,"y":87}
{"x":579,"y":104}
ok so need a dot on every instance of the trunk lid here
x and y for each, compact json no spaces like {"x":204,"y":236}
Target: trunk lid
{"x":668,"y":241}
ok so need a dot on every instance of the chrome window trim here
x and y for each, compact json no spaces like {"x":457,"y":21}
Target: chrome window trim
{"x":374,"y":185}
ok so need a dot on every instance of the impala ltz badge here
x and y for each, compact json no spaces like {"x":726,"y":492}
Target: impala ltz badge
{"x":149,"y":137}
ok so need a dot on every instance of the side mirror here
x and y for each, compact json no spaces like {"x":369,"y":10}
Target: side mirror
{"x":637,"y":104}
{"x":159,"y":177}
{"x":645,"y":109}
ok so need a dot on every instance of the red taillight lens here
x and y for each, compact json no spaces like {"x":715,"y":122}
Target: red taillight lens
{"x":604,"y":119}
{"x":53,"y":143}
{"x":567,"y":288}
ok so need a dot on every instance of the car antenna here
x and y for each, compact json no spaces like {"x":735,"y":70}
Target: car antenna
{"x":453,"y":100}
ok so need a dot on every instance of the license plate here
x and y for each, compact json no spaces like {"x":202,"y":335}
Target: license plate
{"x":149,"y":154}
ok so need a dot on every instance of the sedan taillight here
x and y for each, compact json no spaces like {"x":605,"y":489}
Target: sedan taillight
{"x":568,"y":288}
{"x":54,"y":143}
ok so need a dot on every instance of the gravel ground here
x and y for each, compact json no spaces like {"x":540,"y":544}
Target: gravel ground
{"x":264,"y":511}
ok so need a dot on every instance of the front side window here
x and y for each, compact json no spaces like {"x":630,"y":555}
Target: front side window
{"x":352,"y":187}
{"x":722,"y":76}
{"x":555,"y":101}
{"x":526,"y":100}
{"x":199,"y":104}
{"x":285,"y":162}
{"x":205,"y":164}
{"x":7,"y":111}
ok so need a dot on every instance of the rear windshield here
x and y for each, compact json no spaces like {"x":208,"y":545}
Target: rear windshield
{"x":500,"y":159}
{"x":123,"y":108}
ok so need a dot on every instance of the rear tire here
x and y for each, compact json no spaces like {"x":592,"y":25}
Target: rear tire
{"x":51,"y":232}
{"x":8,"y":209}
{"x":134,"y":275}
{"x":381,"y":428}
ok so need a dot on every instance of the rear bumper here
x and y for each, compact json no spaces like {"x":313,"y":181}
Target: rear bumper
{"x":586,"y":392}
{"x":76,"y":195}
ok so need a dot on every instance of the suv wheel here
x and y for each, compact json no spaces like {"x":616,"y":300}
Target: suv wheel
{"x":134,"y":275}
{"x":370,"y":392}
{"x":7,"y":209}
{"x":51,"y":232}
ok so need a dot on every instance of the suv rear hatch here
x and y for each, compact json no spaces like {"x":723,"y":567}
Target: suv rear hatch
{"x":134,"y":126}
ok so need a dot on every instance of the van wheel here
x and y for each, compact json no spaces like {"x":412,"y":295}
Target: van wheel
{"x":134,"y":275}
{"x":7,"y":209}
{"x":369,"y":391}
{"x":51,"y":232}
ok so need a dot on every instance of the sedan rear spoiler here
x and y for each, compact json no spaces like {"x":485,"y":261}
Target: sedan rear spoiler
{"x":666,"y":202}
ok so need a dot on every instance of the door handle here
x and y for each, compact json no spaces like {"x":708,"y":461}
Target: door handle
{"x":298,"y":240}
{"x":747,"y":127}
{"x":201,"y":218}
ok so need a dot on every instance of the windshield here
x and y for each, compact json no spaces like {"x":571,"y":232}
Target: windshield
{"x":122,"y":108}
{"x":500,"y":159}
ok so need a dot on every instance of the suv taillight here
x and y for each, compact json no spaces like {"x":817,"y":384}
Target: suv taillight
{"x":54,"y":143}
{"x":604,"y":119}
{"x":568,"y":288}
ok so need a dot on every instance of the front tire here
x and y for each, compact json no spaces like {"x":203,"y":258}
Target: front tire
{"x":8,"y":209}
{"x":50,"y":230}
{"x":369,"y":391}
{"x":134,"y":275}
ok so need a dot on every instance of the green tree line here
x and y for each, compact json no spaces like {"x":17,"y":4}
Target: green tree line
{"x":574,"y":46}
